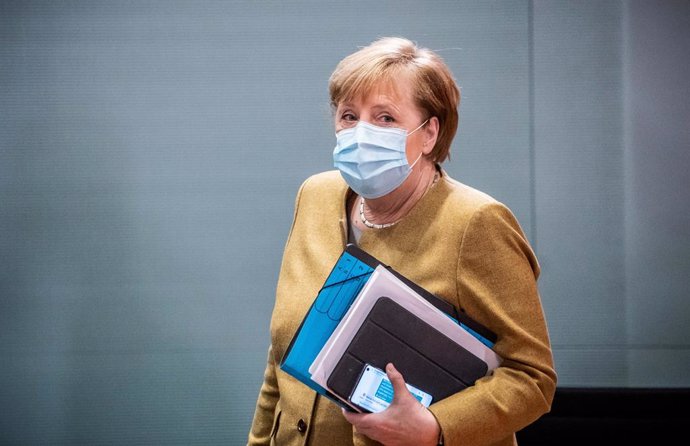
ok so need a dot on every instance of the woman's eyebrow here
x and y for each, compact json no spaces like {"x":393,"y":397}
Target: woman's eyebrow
{"x":389,"y":105}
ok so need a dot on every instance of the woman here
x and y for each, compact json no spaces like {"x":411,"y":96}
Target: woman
{"x":395,"y":111}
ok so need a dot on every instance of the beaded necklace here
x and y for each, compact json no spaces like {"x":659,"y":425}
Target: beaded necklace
{"x":371,"y":225}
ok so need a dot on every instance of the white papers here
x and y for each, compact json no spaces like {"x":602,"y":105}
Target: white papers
{"x":383,"y":283}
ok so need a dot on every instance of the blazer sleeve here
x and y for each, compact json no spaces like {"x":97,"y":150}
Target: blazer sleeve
{"x":497,"y":275}
{"x":264,"y":414}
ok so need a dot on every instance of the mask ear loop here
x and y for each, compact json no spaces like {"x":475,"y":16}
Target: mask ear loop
{"x":419,"y":127}
{"x":415,"y":161}
{"x":420,"y":155}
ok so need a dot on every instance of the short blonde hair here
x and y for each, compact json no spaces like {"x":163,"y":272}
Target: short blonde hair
{"x":434,"y":89}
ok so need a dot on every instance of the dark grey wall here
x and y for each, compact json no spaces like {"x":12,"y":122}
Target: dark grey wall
{"x":657,"y":191}
{"x":150,"y":153}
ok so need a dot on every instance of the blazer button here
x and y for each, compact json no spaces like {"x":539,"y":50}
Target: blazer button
{"x":301,"y":426}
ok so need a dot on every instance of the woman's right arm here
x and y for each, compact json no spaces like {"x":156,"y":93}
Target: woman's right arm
{"x":260,"y":433}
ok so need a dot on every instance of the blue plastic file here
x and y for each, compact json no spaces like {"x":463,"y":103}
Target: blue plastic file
{"x":346,"y":279}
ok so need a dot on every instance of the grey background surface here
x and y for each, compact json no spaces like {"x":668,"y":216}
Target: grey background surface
{"x":150,"y":153}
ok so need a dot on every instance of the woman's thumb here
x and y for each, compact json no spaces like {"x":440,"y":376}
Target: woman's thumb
{"x":398,"y":382}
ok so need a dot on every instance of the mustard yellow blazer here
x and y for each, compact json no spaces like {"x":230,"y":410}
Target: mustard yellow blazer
{"x":461,"y":245}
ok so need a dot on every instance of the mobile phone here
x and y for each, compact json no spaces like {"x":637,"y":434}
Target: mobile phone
{"x":374,"y":391}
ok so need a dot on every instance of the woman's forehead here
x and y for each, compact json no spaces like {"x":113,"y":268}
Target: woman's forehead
{"x":396,"y":91}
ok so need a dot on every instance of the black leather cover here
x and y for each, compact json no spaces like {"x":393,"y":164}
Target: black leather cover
{"x":427,"y":358}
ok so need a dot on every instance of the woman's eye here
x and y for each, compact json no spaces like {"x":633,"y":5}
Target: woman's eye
{"x":348,"y":117}
{"x":387,"y":119}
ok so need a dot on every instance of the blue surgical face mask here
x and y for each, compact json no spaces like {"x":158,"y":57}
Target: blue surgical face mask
{"x":372,"y":159}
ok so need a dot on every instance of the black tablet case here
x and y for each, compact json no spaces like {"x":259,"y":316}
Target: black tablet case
{"x":439,"y":303}
{"x":427,"y":358}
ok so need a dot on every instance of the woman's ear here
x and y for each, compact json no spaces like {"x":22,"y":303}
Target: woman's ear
{"x":430,"y":135}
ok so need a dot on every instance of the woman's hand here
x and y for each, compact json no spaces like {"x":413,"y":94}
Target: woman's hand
{"x":405,"y":422}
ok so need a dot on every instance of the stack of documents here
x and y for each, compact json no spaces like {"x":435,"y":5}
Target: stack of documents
{"x":368,"y":315}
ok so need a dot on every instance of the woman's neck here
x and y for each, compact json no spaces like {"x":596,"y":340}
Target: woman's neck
{"x":395,"y":205}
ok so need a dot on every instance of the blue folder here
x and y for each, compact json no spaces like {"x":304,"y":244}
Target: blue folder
{"x":346,"y":279}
